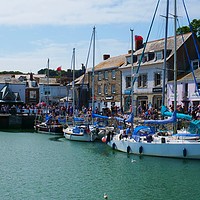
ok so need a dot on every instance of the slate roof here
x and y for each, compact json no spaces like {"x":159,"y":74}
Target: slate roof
{"x":189,"y":76}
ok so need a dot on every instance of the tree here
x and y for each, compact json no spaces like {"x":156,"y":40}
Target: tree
{"x":195,"y":24}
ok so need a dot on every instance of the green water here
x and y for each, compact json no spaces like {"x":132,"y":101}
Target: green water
{"x":37,"y":166}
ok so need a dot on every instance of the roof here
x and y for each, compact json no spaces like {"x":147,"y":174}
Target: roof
{"x":158,"y":45}
{"x":83,"y":79}
{"x":112,"y":62}
{"x":189,"y":77}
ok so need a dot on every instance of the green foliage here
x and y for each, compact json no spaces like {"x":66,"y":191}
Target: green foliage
{"x":11,"y":72}
{"x":195,"y":24}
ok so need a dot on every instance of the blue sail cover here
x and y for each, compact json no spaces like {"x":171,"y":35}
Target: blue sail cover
{"x":146,"y":129}
{"x":99,"y":116}
{"x":166,"y":112}
{"x":172,"y":119}
{"x":119,"y":119}
{"x":130,"y":118}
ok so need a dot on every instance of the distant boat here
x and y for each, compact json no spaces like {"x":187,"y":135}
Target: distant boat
{"x":80,"y":130}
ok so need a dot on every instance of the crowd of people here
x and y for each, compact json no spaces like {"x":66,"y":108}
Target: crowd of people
{"x":61,"y":110}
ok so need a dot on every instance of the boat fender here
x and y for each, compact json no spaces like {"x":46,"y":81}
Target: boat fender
{"x":113,"y":146}
{"x":184,"y":152}
{"x":128,"y":149}
{"x":140,"y":149}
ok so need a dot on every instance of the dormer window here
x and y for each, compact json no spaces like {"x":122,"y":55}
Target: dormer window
{"x":145,"y":58}
{"x":128,"y":59}
{"x":159,"y":55}
{"x":195,"y":64}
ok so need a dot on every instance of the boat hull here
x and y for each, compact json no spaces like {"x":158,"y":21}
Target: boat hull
{"x":176,"y":149}
{"x":54,"y":130}
{"x":79,"y":136}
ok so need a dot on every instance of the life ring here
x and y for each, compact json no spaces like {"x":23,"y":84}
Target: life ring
{"x":140,"y":149}
{"x":184,"y":152}
{"x":128,"y":149}
{"x":113,"y":146}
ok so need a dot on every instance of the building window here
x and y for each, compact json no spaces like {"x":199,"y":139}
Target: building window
{"x":128,"y":81}
{"x":32,"y":95}
{"x":106,"y":75}
{"x":159,"y":55}
{"x":157,"y":79}
{"x":142,"y":80}
{"x":113,"y":89}
{"x":145,"y":58}
{"x":99,"y":76}
{"x":99,"y":89}
{"x":186,"y":89}
{"x":195,"y":64}
{"x":198,"y":87}
{"x":105,"y":89}
{"x":113,"y":74}
{"x":46,"y":92}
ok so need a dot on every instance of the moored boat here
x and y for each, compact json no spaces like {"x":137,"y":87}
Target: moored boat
{"x":49,"y":128}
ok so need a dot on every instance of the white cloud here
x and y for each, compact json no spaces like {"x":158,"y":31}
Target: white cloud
{"x":23,"y":13}
{"x":26,"y":12}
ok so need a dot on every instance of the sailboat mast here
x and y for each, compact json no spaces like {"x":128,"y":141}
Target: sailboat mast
{"x":93,"y":72}
{"x":132,"y":74}
{"x":165,"y":55}
{"x":175,"y":63}
{"x":73,"y":84}
{"x":47,"y":82}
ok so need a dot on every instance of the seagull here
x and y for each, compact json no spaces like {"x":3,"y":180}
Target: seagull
{"x":133,"y":160}
{"x":105,"y":196}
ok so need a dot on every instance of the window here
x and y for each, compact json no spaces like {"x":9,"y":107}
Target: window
{"x":113,"y":89}
{"x":106,"y":75}
{"x":195,"y":64}
{"x":186,"y":89}
{"x":145,"y":58}
{"x":142,"y":80}
{"x":128,"y":81}
{"x":46,"y":92}
{"x":157,"y":79}
{"x":105,"y":89}
{"x":99,"y":76}
{"x":99,"y":89}
{"x":113,"y":74}
{"x":32,"y":95}
{"x":159,"y":55}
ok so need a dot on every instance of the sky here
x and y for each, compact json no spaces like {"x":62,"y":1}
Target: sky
{"x":33,"y":31}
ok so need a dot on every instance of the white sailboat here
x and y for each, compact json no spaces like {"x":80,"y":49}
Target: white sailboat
{"x":80,"y":130}
{"x":144,"y":141}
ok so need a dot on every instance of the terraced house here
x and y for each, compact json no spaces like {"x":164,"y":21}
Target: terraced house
{"x":107,"y":78}
{"x":149,"y":84}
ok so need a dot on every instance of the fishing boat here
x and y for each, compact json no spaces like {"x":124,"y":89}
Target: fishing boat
{"x":81,"y":130}
{"x":145,"y":141}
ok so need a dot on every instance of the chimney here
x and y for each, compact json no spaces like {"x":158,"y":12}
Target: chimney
{"x":106,"y":56}
{"x":130,"y":51}
{"x":31,"y":76}
{"x":138,"y":42}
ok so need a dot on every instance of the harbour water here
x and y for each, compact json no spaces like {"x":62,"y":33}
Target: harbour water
{"x":39,"y":166}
